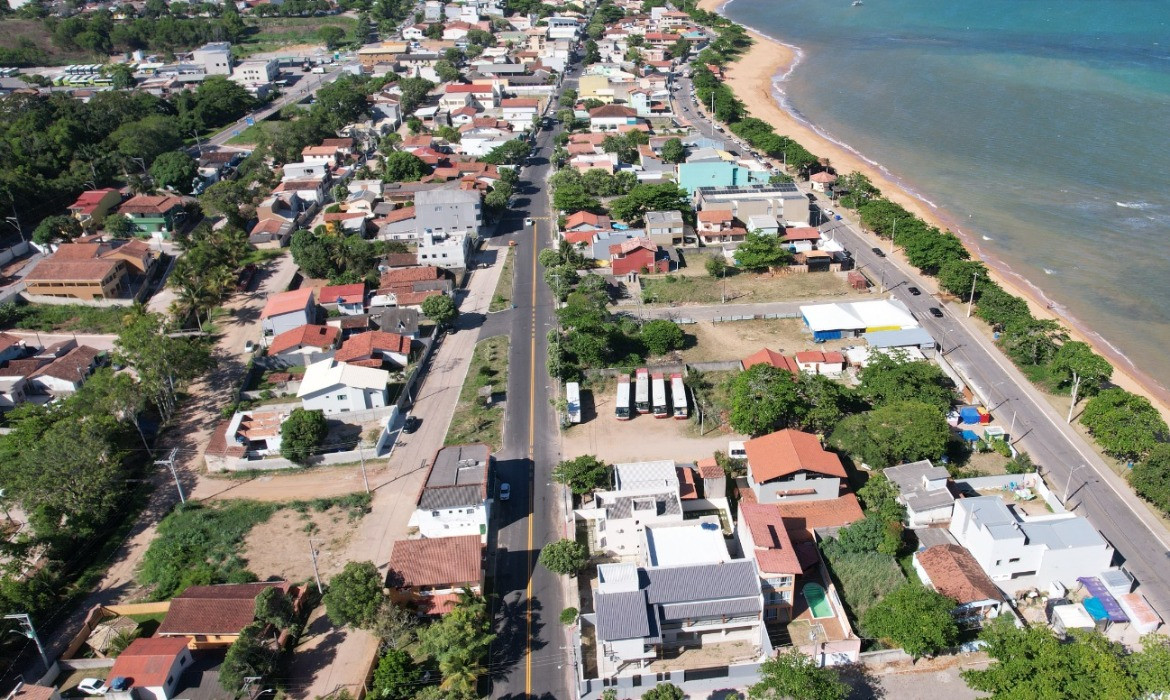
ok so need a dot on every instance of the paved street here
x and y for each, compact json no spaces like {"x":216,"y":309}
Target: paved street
{"x":1069,"y":464}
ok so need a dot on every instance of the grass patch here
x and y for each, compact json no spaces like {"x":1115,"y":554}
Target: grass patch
{"x":503,"y":298}
{"x":67,"y":317}
{"x":862,"y":579}
{"x":254,"y":134}
{"x":472,"y":421}
{"x":268,"y":33}
{"x":741,"y":287}
{"x":259,"y":257}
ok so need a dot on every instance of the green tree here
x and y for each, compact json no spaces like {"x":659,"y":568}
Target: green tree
{"x":396,"y":677}
{"x":355,"y":595}
{"x":794,"y":676}
{"x":1032,"y":341}
{"x":146,"y":139}
{"x":583,"y":474}
{"x":661,"y":336}
{"x":459,"y":641}
{"x":664,"y":691}
{"x":1076,"y":363}
{"x":956,"y":276}
{"x":825,"y":402}
{"x":716,"y":265}
{"x":764,"y":398}
{"x":871,"y":535}
{"x":565,"y":557}
{"x":916,"y":618}
{"x":394,"y":625}
{"x":1125,"y":425}
{"x":161,"y":361}
{"x":248,"y":656}
{"x":447,"y":71}
{"x":891,"y":378}
{"x":341,"y":102}
{"x":673,"y":151}
{"x":1150,"y":667}
{"x":573,"y":197}
{"x":301,"y":434}
{"x":440,"y":308}
{"x":513,"y":152}
{"x":760,"y":252}
{"x":119,"y":226}
{"x":401,"y":166}
{"x":880,"y":498}
{"x":332,"y":36}
{"x":59,"y":228}
{"x":175,"y":170}
{"x":1150,"y":477}
{"x":644,"y":197}
{"x":274,"y":608}
{"x":569,"y":616}
{"x":893,"y":434}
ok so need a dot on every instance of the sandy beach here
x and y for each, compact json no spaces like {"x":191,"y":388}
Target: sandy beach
{"x":751,"y":78}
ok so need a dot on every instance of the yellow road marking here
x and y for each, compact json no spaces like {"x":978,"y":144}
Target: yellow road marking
{"x":531,"y":459}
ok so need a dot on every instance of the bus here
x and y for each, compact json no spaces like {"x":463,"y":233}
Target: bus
{"x":622,"y":405}
{"x":658,"y":382}
{"x":678,"y":395}
{"x":642,"y":391}
{"x":573,"y":401}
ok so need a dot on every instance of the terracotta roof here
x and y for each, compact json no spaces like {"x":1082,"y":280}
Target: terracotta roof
{"x":709,"y":468}
{"x":287,"y":302}
{"x":52,"y":270}
{"x":824,"y":177}
{"x":802,"y":517}
{"x":520,"y":102}
{"x":224,"y":609}
{"x":686,"y":483}
{"x":338,"y":143}
{"x":22,"y":368}
{"x":397,"y":215}
{"x":349,"y":293}
{"x":150,"y":204}
{"x":28,"y":691}
{"x":583,"y":218}
{"x":7,"y":340}
{"x":438,"y":562}
{"x":220,"y":446}
{"x":410,"y":274}
{"x":468,"y":89}
{"x":786,"y":452}
{"x":71,"y":367}
{"x":605,"y":111}
{"x":343,"y":215}
{"x":581,"y":149}
{"x":147,"y":661}
{"x":770,"y":357}
{"x":363,"y":345}
{"x":440,"y":604}
{"x":773,"y":547}
{"x":401,"y":260}
{"x":575,"y":237}
{"x":804,"y":233}
{"x":311,"y":335}
{"x":955,"y":573}
{"x":319,"y":151}
{"x":271,"y":226}
{"x":629,"y":246}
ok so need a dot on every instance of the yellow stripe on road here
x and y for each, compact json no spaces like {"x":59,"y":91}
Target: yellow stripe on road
{"x":531,"y":460}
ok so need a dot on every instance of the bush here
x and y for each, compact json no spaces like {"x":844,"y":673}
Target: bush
{"x":863,"y":578}
{"x":661,"y":336}
{"x":355,"y":595}
{"x":569,"y":616}
{"x":564,"y":557}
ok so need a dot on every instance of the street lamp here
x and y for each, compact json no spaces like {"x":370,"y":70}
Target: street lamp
{"x":1068,"y":487}
{"x":29,"y":631}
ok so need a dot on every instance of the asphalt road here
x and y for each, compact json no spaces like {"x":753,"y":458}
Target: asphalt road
{"x":531,"y":658}
{"x":1069,"y":465}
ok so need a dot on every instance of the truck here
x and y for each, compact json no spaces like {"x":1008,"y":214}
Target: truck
{"x":658,"y":383}
{"x":622,"y":404}
{"x":678,"y":396}
{"x":642,"y":391}
{"x":573,"y":401}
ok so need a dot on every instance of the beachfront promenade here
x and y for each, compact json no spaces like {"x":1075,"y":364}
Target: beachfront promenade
{"x":1070,"y":465}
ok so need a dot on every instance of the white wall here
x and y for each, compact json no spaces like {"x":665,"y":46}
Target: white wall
{"x":452,"y":522}
{"x":342,"y":399}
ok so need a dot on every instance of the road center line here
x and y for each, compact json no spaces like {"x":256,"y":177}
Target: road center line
{"x":532,"y":475}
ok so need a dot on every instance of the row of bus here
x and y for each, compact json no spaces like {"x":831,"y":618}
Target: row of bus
{"x":650,"y":395}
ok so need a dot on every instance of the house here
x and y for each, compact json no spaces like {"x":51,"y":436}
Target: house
{"x":449,"y":211}
{"x":454,"y":501}
{"x":612,"y":117}
{"x":782,"y":201}
{"x":256,"y":432}
{"x":288,"y":310}
{"x":790,"y":465}
{"x":398,"y":320}
{"x":665,"y":228}
{"x":637,"y":255}
{"x":93,"y":205}
{"x":922,"y":488}
{"x":770,"y":357}
{"x":30,"y":691}
{"x":830,"y":364}
{"x":398,"y":225}
{"x":805,"y":519}
{"x":584,"y":221}
{"x":430,"y":573}
{"x":374,"y":348}
{"x":348,"y":299}
{"x":153,"y":666}
{"x":154,"y":215}
{"x":718,"y":226}
{"x":846,"y":320}
{"x":316,"y":170}
{"x":822,"y":181}
{"x":802,"y":239}
{"x":520,"y":111}
{"x":1019,"y":552}
{"x":643,"y":493}
{"x":952,"y":571}
{"x":480,"y":96}
{"x":256,"y":73}
{"x":595,"y":87}
{"x":409,"y":286}
{"x":320,"y":155}
{"x":308,"y":339}
{"x":763,"y":223}
{"x":338,"y":387}
{"x":67,"y":371}
{"x":211,"y":617}
{"x":271,"y":233}
{"x":764,"y":538}
{"x":448,"y":250}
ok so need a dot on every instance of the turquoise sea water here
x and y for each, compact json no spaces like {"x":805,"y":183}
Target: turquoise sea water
{"x":1039,"y":129}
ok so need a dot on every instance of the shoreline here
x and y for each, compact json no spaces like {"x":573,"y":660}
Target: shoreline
{"x":755,"y":78}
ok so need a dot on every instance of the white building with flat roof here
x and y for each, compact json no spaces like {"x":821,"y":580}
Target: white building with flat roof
{"x":215,"y":58}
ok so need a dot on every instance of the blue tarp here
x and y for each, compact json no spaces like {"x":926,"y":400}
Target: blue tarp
{"x":970,"y":436}
{"x":1095,"y":609}
{"x":969,"y":415}
{"x":1103,"y":600}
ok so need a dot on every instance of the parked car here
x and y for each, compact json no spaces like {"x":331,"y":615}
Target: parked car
{"x":528,"y":221}
{"x":411,"y":424}
{"x":878,"y":252}
{"x":505,"y":491}
{"x":914,"y":291}
{"x":92,"y":686}
{"x":936,"y":312}
{"x":250,"y":346}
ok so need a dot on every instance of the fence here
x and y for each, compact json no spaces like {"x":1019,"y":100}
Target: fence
{"x":755,"y":317}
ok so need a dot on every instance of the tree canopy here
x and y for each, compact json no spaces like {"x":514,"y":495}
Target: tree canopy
{"x":661,"y":336}
{"x":440,"y":308}
{"x":645,"y":197}
{"x":1150,"y":477}
{"x":459,"y":642}
{"x":301,"y":433}
{"x":760,"y":252}
{"x":564,"y":556}
{"x":916,"y":618}
{"x":792,"y":675}
{"x":906,"y":431}
{"x":583,"y":474}
{"x":764,"y":398}
{"x":355,"y":595}
{"x":175,"y":170}
{"x":400,"y":166}
{"x":892,"y":378}
{"x":1126,"y":425}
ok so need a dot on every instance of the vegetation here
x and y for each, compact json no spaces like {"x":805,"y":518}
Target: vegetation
{"x":792,"y":675}
{"x":355,"y":595}
{"x":163,"y":363}
{"x":66,"y":317}
{"x":916,"y":618}
{"x":400,"y":166}
{"x":583,"y":474}
{"x":760,"y":252}
{"x":440,"y":308}
{"x":569,"y":616}
{"x":896,"y":433}
{"x":892,"y":378}
{"x":473,"y":421}
{"x":301,"y":434}
{"x":863,"y":578}
{"x":764,"y":398}
{"x":664,"y":691}
{"x":459,"y":642}
{"x":1126,"y":425}
{"x":661,"y":336}
{"x":396,"y":677}
{"x":251,"y":655}
{"x":1151,"y":477}
{"x":325,"y":253}
{"x":644,"y":197}
{"x":503,"y":296}
{"x":565,"y":557}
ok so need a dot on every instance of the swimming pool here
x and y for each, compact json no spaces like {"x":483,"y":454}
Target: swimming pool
{"x":814,"y":595}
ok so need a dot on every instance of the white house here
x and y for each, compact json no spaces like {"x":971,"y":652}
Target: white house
{"x":258,"y":432}
{"x":449,"y":250}
{"x":337,"y":387}
{"x":643,"y":493}
{"x":215,"y":57}
{"x":449,"y":211}
{"x":308,"y":169}
{"x":611,"y":117}
{"x":519,"y":111}
{"x":455,"y":500}
{"x":256,"y":72}
{"x":562,"y":27}
{"x":1019,"y":552}
{"x":154,"y":666}
{"x":288,"y":310}
{"x":922,"y":488}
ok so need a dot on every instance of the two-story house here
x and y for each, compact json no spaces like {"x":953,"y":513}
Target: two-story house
{"x":454,"y":501}
{"x":763,"y":537}
{"x":666,"y":228}
{"x":637,"y":255}
{"x":790,"y":465}
{"x":288,"y":310}
{"x":430,"y":573}
{"x":155,"y":215}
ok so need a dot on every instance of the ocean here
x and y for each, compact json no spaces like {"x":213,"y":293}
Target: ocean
{"x":1037,"y":129}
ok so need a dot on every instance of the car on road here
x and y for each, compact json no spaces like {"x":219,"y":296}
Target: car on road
{"x":411,"y":424}
{"x":505,"y":491}
{"x":935,"y":311}
{"x":878,"y":252}
{"x":93,"y":686}
{"x":528,"y":221}
{"x":250,"y":346}
{"x":914,"y":291}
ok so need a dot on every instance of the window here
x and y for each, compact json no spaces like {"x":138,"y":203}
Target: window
{"x":1013,"y":560}
{"x":341,"y":397}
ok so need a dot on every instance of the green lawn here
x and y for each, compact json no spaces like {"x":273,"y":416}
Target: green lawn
{"x":66,"y":317}
{"x":472,"y":422}
{"x":252,"y":135}
{"x":503,"y":297}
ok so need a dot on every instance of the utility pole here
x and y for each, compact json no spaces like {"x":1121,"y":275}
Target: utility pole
{"x":971,"y":300}
{"x":724,"y":278}
{"x":893,"y":235}
{"x":362,"y":457}
{"x":170,"y":462}
{"x":1076,"y":386}
{"x":29,"y":631}
{"x":316,"y":572}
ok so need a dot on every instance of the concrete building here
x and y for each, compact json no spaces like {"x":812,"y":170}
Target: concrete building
{"x":337,"y":387}
{"x":256,"y":72}
{"x":454,"y":501}
{"x":790,"y":465}
{"x":763,"y":538}
{"x":449,"y":211}
{"x":783,"y":201}
{"x":154,"y":666}
{"x":215,"y":57}
{"x":447,"y":250}
{"x":922,"y":488}
{"x":288,"y":310}
{"x":700,"y":172}
{"x":666,"y":228}
{"x":643,"y":493}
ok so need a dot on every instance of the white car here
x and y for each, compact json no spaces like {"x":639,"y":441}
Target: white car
{"x":249,"y":346}
{"x":92,"y":686}
{"x":528,"y":221}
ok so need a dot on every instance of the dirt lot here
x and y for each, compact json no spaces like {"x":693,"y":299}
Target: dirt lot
{"x":735,"y":340}
{"x":280,"y":546}
{"x":693,"y":285}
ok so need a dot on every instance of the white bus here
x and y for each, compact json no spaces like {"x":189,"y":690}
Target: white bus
{"x":678,"y":396}
{"x":622,"y":405}
{"x":642,"y":391}
{"x":573,"y":401}
{"x":658,"y":383}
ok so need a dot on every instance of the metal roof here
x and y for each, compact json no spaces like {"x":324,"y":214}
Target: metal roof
{"x":685,"y":584}
{"x":622,"y":615}
{"x":712,"y":608}
{"x":460,"y":465}
{"x":451,"y":497}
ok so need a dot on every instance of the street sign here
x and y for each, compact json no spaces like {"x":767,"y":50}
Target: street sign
{"x":250,"y":121}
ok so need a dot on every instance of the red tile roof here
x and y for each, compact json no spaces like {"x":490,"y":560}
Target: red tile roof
{"x":586,"y":218}
{"x":709,"y":468}
{"x":287,"y":302}
{"x":224,"y":609}
{"x":88,"y":201}
{"x":307,"y":335}
{"x":802,"y":517}
{"x":148,"y":661}
{"x":520,"y":102}
{"x":398,"y":215}
{"x":770,"y":357}
{"x":348,"y":293}
{"x":73,"y":366}
{"x":955,"y":573}
{"x":363,"y":346}
{"x":786,"y":452}
{"x":608,"y":111}
{"x":150,"y":204}
{"x":437,"y":563}
{"x":773,"y":547}
{"x":52,"y":270}
{"x":686,"y":484}
{"x":805,"y":233}
{"x":421,"y":273}
{"x":575,"y":237}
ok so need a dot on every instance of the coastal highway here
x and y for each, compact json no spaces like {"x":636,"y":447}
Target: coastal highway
{"x":1072,"y":469}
